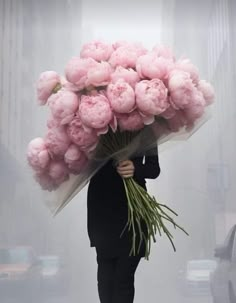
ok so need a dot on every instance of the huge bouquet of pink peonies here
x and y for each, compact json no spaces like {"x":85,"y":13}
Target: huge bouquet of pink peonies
{"x":109,"y":98}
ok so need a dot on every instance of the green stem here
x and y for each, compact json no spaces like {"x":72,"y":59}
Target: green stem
{"x":142,"y":208}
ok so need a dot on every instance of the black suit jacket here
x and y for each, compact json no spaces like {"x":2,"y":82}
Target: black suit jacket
{"x":107,"y":205}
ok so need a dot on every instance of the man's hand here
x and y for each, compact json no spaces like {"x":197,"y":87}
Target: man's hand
{"x":125,"y":169}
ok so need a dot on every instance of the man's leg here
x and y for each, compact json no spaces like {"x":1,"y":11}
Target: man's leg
{"x":124,"y":279}
{"x":105,"y":277}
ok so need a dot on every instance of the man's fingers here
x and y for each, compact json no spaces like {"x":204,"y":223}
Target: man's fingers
{"x":124,"y":163}
{"x":125,"y":168}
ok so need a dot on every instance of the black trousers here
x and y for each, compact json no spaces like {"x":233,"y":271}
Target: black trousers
{"x":116,"y":279}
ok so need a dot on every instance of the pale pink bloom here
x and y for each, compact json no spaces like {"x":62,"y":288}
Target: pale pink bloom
{"x":151,"y":96}
{"x":63,"y":105}
{"x":103,"y":130}
{"x":197,"y":98}
{"x":46,"y":84}
{"x":37,"y":154}
{"x":120,"y":43}
{"x":131,"y":121}
{"x":57,"y":141}
{"x":75,"y":159}
{"x":169,"y":113}
{"x":196,"y":108}
{"x":58,"y":171}
{"x":69,"y":86}
{"x":45,"y":181}
{"x":194,"y":112}
{"x":85,"y":138}
{"x":181,"y":89}
{"x":112,"y":123}
{"x":147,"y":118}
{"x":127,"y":55}
{"x":164,"y":51}
{"x":177,"y":122}
{"x":97,"y":50}
{"x":127,"y":74}
{"x":151,"y":66}
{"x":52,"y":122}
{"x":95,"y":111}
{"x":207,"y":91}
{"x":77,"y":69}
{"x":187,"y":66}
{"x":99,"y":75}
{"x":121,"y":96}
{"x":97,"y":93}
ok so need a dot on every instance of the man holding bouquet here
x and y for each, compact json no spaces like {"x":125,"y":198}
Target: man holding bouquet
{"x":107,"y":217}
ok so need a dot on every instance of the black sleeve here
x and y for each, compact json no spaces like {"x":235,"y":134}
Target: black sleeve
{"x":150,"y":169}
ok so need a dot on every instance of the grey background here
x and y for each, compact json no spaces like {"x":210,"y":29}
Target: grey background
{"x":197,"y":177}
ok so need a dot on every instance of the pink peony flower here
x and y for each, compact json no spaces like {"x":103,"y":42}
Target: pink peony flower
{"x":127,"y":55}
{"x":151,"y":96}
{"x":151,"y":66}
{"x":121,"y":96}
{"x":112,"y":123}
{"x":96,"y":50}
{"x":77,"y":69}
{"x":69,"y":86}
{"x":99,"y":75}
{"x":127,"y":74}
{"x":163,"y":51}
{"x":37,"y":154}
{"x":177,"y":122}
{"x":147,"y":118}
{"x":58,"y":171}
{"x":86,"y":139}
{"x":181,"y":89}
{"x":186,"y":65}
{"x":56,"y":174}
{"x":75,"y":159}
{"x":45,"y":181}
{"x":57,"y":141}
{"x":169,"y":113}
{"x":207,"y":91}
{"x":52,"y":122}
{"x":131,"y":121}
{"x":194,"y":112}
{"x":196,"y":108}
{"x":95,"y":111}
{"x":47,"y":82}
{"x":120,"y":43}
{"x":63,"y":105}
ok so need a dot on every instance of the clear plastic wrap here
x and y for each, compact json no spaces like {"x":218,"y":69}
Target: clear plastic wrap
{"x":132,"y":144}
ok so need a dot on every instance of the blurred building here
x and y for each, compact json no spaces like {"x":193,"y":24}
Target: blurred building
{"x":34,"y":36}
{"x":204,"y":31}
{"x":221,"y":41}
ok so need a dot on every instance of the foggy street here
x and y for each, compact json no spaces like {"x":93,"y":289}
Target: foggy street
{"x":47,"y":258}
